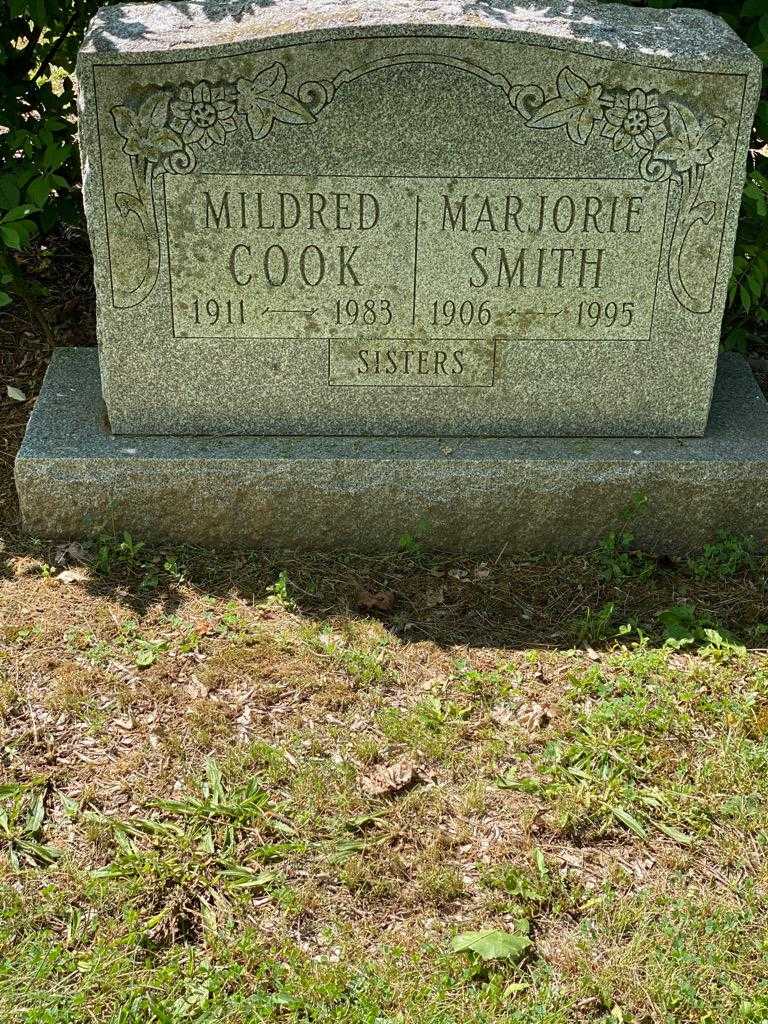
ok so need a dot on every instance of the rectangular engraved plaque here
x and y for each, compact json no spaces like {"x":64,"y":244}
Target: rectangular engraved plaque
{"x":539,"y":258}
{"x":402,"y":362}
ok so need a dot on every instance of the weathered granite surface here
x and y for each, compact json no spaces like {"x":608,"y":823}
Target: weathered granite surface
{"x":465,"y":494}
{"x":413,"y":217}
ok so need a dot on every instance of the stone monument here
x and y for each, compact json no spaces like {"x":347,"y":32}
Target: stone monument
{"x":362,"y":267}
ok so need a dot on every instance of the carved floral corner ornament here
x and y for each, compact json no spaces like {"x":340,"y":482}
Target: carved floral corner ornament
{"x":665,"y":134}
{"x":168,"y":130}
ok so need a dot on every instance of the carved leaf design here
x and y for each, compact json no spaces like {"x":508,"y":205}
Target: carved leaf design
{"x":271,"y":79}
{"x":264,"y":101}
{"x":712,"y":134}
{"x":571,"y":84}
{"x":688,"y":144}
{"x":288,"y":109}
{"x":672,"y":149}
{"x":166,"y":140}
{"x":259,"y":123}
{"x":125,"y":121}
{"x":682,"y":122}
{"x":154,"y":110}
{"x":145,"y":132}
{"x":704,"y":211}
{"x":554,"y":114}
{"x":576,"y":107}
{"x":127,"y":203}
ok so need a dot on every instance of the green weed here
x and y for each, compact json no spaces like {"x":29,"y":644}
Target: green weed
{"x":728,"y":555}
{"x":22,"y":815}
{"x":197,"y":858}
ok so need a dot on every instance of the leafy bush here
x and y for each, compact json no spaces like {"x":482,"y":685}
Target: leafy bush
{"x":747,"y":312}
{"x":39,"y":163}
{"x":39,"y":166}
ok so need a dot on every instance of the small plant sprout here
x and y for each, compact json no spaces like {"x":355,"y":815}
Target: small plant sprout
{"x":279,"y":593}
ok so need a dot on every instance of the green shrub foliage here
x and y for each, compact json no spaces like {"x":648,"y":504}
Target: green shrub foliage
{"x":39,"y":164}
{"x":747,"y":313}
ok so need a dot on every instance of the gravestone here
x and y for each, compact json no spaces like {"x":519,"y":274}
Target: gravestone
{"x":411,"y":218}
{"x":362,"y":252}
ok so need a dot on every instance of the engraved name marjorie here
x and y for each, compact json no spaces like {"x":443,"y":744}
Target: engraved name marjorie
{"x":501,"y":266}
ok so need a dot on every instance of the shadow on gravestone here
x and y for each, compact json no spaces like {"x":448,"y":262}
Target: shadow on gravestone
{"x":117,"y":25}
{"x":611,"y":24}
{"x":214,"y":11}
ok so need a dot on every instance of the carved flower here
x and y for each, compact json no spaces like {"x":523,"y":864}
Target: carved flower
{"x":577,"y":106}
{"x":145,"y":131}
{"x":203,"y":114}
{"x":688,"y":143}
{"x":635,"y":121}
{"x":264,"y":101}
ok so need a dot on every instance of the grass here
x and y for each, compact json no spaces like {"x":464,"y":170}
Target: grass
{"x":529,"y":791}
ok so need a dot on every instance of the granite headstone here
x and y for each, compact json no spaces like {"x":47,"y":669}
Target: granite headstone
{"x":411,"y":218}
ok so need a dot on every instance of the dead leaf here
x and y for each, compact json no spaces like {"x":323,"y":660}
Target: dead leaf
{"x":680,"y":662}
{"x":245,"y":717}
{"x":15,"y":393}
{"x":388,"y":779}
{"x":432,"y":598}
{"x":532,"y":716}
{"x":502,"y":714}
{"x":196,"y":688}
{"x":380,"y":600}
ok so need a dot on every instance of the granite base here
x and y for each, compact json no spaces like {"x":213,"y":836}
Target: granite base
{"x":461,"y":494}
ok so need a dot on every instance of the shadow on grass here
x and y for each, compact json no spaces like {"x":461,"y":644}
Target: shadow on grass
{"x":547,"y":601}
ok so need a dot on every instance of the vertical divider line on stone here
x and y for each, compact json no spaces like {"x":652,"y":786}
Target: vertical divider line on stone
{"x":415,"y":261}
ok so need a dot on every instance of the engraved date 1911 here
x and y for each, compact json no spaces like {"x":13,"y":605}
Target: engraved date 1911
{"x":219,"y":311}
